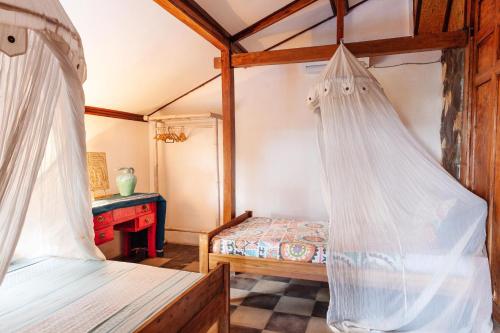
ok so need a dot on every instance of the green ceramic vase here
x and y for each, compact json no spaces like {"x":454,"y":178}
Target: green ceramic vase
{"x":126,"y":181}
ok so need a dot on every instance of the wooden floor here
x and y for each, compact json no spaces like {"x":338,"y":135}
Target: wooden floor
{"x":259,"y":304}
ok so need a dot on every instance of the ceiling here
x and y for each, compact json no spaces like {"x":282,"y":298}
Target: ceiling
{"x":139,"y":57}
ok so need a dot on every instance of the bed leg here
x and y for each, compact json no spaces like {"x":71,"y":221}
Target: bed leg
{"x":224,"y":320}
{"x":204,"y":248}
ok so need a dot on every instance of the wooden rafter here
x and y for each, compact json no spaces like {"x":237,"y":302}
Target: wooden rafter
{"x":427,"y":42}
{"x":195,"y":17}
{"x":95,"y":111}
{"x":268,"y":49}
{"x":272,"y":18}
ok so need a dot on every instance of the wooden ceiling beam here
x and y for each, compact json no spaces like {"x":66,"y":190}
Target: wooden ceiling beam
{"x":432,"y":15}
{"x":272,"y":18}
{"x":195,"y":17}
{"x":95,"y":111}
{"x":424,"y":42}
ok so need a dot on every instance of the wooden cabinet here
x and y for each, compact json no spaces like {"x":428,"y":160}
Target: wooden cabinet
{"x":127,"y":220}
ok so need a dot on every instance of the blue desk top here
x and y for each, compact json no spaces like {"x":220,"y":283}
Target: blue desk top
{"x":117,"y":201}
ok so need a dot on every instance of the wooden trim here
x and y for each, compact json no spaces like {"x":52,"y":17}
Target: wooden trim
{"x":205,"y":239}
{"x":424,"y":42}
{"x":196,"y":309}
{"x":228,"y":136}
{"x":272,"y":18}
{"x":95,"y":111}
{"x":273,"y":267}
{"x":185,"y":94}
{"x":237,"y":220}
{"x":195,"y":17}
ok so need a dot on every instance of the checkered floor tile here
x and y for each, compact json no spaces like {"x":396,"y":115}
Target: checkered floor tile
{"x":260,"y":304}
{"x":269,"y":304}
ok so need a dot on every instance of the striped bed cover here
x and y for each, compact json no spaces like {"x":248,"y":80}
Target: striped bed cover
{"x":68,"y":295}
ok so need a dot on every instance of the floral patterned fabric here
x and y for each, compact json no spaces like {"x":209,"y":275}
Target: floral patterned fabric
{"x":285,"y":239}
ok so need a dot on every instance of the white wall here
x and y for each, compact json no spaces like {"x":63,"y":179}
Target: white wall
{"x":277,"y":167}
{"x":125,"y":143}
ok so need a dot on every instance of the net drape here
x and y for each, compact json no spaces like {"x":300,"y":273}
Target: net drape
{"x":42,"y":142}
{"x":406,"y":240}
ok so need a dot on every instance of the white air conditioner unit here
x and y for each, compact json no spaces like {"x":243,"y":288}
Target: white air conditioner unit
{"x":318,"y":66}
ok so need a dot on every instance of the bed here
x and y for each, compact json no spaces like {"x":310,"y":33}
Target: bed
{"x":67,"y":295}
{"x":297,"y":249}
{"x":278,"y":247}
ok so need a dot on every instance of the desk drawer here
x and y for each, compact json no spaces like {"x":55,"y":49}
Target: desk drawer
{"x":144,"y":209}
{"x":103,"y":235}
{"x":103,"y":220}
{"x":145,"y":221}
{"x":124,"y":214}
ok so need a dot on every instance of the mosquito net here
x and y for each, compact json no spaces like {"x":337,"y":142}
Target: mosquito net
{"x":44,"y":193}
{"x":406,"y":240}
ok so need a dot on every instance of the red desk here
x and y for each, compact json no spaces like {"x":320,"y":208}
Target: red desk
{"x":127,"y":220}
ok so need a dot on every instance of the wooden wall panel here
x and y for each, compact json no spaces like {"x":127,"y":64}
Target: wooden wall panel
{"x":457,"y":15}
{"x":481,"y":139}
{"x":432,"y":16}
{"x":485,"y":15}
{"x":485,"y":54}
{"x":483,"y":162}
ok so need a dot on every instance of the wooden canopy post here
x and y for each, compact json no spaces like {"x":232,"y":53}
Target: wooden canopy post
{"x":228,"y":136}
{"x":340,"y":20}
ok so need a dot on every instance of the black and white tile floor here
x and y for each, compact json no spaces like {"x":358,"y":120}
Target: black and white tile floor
{"x":271,"y":304}
{"x":259,"y":304}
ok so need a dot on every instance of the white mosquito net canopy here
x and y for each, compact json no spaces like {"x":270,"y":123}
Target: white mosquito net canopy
{"x":44,"y":198}
{"x":406,"y":240}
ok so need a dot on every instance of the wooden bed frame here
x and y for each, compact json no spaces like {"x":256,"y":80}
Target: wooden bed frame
{"x":244,"y":264}
{"x":198,"y":309}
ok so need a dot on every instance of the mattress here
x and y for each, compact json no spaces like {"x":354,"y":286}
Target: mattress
{"x":307,"y":241}
{"x":67,"y":295}
{"x":285,"y":239}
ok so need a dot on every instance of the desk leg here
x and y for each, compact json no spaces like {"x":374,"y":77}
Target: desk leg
{"x":152,"y":241}
{"x":125,"y":243}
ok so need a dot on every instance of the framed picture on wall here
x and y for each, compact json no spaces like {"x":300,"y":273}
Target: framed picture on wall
{"x":98,"y":174}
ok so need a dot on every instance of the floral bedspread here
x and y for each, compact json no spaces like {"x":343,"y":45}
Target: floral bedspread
{"x":284,"y":239}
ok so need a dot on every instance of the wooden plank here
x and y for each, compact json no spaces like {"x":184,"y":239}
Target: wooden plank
{"x":273,"y":267}
{"x":457,"y":15}
{"x":195,"y":17}
{"x":427,"y":42}
{"x":341,"y":10}
{"x":95,"y":111}
{"x":272,"y":18}
{"x":228,"y":136}
{"x":205,"y":239}
{"x":432,"y":16}
{"x":197,"y":302}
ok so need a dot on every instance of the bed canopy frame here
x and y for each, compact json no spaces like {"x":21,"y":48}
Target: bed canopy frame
{"x":437,"y":25}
